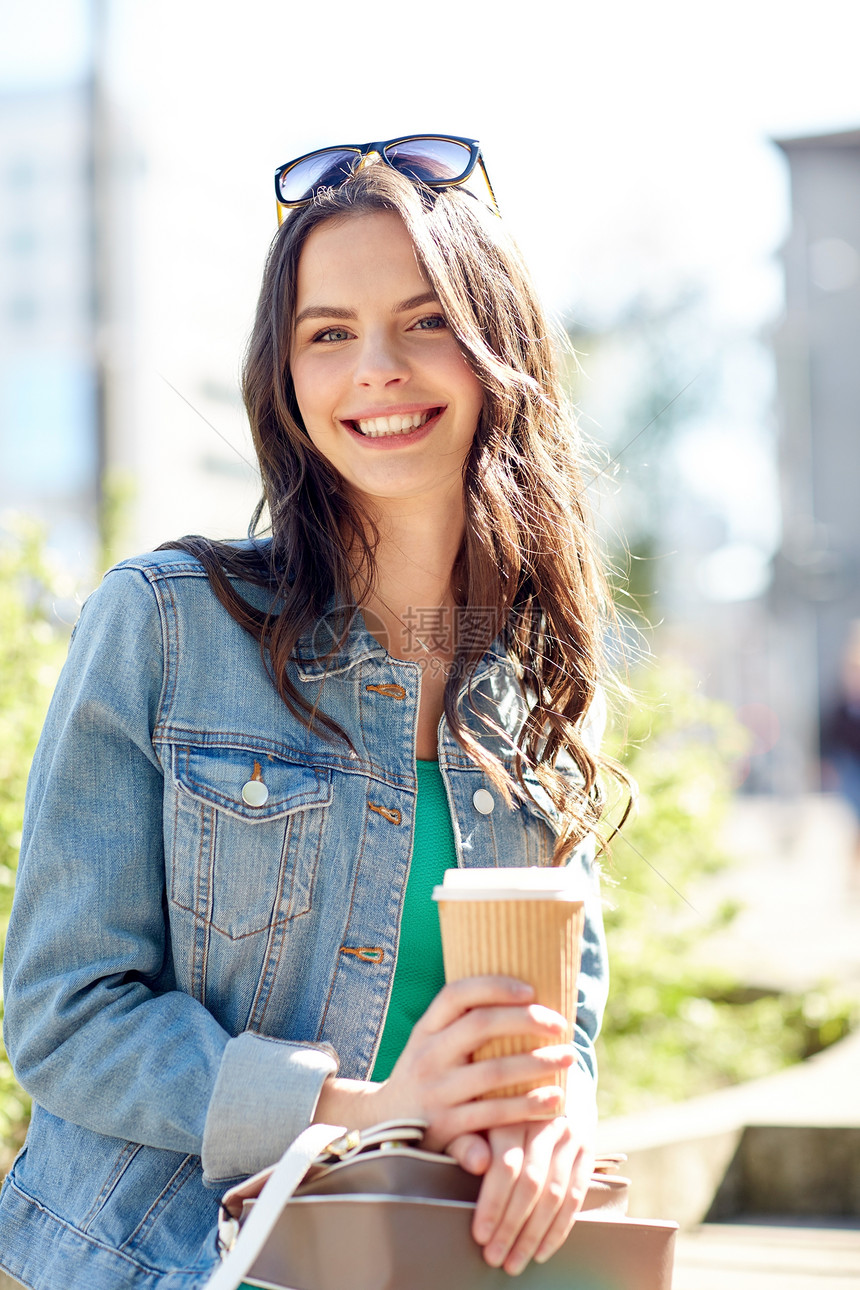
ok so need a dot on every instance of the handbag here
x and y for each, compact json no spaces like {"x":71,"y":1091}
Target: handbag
{"x":371,"y":1210}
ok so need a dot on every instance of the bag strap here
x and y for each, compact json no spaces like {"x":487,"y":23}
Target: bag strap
{"x":286,"y":1177}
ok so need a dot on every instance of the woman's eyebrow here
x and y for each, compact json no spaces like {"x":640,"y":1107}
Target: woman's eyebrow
{"x":333,"y":311}
{"x":415,"y":302}
{"x":324,"y":311}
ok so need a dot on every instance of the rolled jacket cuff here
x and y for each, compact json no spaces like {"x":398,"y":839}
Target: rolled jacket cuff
{"x":265,"y":1094}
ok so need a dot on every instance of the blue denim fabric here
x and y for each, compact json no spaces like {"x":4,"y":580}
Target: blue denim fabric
{"x":183,"y":970}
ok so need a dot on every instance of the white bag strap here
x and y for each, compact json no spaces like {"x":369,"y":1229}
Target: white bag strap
{"x":286,"y":1177}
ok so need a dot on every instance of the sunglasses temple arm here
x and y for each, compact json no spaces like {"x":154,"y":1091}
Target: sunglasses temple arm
{"x":489,"y":185}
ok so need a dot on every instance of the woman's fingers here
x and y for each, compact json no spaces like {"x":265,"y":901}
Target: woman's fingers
{"x":507,"y":1146}
{"x":531,"y":1193}
{"x":551,"y":1214}
{"x":557,"y":1233}
{"x":456,"y":998}
{"x":436,"y":1077}
{"x":480,"y":1026}
{"x":489,"y":1113}
{"x":471,"y":1151}
{"x":470,"y":1012}
{"x":476,"y":1079}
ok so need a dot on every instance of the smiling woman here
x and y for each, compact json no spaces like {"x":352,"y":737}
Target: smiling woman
{"x":261,"y":755}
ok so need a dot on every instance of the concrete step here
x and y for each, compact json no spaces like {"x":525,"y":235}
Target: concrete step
{"x":792,"y":1139}
{"x":779,"y":1255}
{"x":791,"y":1169}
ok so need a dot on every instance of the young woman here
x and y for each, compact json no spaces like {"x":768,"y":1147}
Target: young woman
{"x":262,"y":755}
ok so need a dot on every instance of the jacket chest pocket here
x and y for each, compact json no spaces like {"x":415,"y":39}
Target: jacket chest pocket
{"x":246,"y":836}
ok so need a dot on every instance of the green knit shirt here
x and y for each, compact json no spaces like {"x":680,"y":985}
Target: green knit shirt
{"x":419,"y":975}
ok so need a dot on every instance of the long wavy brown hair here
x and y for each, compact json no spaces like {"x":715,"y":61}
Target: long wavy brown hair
{"x":527,"y":561}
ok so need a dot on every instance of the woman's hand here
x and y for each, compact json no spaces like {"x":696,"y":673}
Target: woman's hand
{"x":436,"y":1080}
{"x":535,"y":1179}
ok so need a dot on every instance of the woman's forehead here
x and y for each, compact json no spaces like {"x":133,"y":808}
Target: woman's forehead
{"x":365,"y":253}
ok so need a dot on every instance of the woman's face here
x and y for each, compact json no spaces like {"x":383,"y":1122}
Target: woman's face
{"x":383,"y":388}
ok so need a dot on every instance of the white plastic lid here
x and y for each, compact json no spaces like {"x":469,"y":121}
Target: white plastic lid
{"x":510,"y":884}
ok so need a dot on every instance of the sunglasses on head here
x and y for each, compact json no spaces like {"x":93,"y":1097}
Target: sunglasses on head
{"x":437,"y":160}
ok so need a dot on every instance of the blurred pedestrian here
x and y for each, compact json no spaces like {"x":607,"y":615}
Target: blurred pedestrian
{"x":840,"y":741}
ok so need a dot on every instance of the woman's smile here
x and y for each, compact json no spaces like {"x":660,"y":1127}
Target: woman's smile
{"x":393,"y":423}
{"x":395,"y":429}
{"x":382,"y":386}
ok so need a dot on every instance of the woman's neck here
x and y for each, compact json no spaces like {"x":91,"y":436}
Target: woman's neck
{"x":412,"y":595}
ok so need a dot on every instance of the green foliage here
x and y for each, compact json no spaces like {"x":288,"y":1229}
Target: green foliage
{"x":31,"y":653}
{"x":676,"y":1026}
{"x":118,"y":493}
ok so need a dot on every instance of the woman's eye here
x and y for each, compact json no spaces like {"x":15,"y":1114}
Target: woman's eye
{"x":332,"y":334}
{"x":433,"y":322}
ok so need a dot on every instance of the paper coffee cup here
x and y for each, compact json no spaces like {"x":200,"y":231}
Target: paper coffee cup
{"x":524,"y":923}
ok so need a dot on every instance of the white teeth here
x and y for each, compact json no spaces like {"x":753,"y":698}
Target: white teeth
{"x":373,"y":427}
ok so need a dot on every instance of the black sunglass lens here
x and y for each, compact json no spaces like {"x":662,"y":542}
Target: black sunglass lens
{"x":326,"y":169}
{"x":430,"y":160}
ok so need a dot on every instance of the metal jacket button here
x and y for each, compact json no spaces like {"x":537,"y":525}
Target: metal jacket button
{"x":483,"y":801}
{"x":255,"y":793}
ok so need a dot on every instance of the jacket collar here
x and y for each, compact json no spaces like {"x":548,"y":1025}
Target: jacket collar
{"x":337,"y":641}
{"x":343,"y":627}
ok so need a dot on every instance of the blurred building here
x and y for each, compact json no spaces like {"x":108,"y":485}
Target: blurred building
{"x":816,"y":590}
{"x":121,"y":423}
{"x":49,"y":448}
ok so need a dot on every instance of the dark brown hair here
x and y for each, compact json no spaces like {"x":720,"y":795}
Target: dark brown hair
{"x":528,"y":553}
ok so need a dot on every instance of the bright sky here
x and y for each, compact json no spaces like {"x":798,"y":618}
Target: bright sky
{"x":617,"y":133}
{"x":628,"y":143}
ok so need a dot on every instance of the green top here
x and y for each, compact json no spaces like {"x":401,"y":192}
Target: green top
{"x":419,"y":975}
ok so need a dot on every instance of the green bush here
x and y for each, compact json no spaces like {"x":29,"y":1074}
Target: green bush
{"x":673,"y":1027}
{"x":32,"y":646}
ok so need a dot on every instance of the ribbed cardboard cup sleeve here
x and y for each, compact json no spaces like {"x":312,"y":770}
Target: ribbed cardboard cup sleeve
{"x":533,"y":939}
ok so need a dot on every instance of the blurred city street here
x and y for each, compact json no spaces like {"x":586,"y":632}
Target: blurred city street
{"x":769,"y":1256}
{"x":796,"y":877}
{"x":725,"y":1164}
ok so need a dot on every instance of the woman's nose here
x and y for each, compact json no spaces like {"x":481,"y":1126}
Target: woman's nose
{"x":380,"y":361}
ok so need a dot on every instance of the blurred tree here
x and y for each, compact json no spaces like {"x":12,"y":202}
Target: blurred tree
{"x":644,"y":379}
{"x":32,"y":646}
{"x":675,"y":1025}
{"x":118,"y":494}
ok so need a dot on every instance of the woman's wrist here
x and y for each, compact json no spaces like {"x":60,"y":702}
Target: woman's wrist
{"x":351,"y":1102}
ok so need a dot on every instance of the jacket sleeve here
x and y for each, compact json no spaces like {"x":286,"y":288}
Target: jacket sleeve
{"x":593,"y":984}
{"x":594,"y":962}
{"x":95,"y":1028}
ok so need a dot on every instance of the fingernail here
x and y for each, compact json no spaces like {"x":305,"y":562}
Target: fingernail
{"x":495,"y":1255}
{"x":549,"y":1097}
{"x":474,"y":1159}
{"x":522,"y":989}
{"x":542,"y":1255}
{"x":515,"y":1264}
{"x":483,"y":1232}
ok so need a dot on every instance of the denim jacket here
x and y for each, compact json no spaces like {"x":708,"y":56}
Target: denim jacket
{"x":206,"y":920}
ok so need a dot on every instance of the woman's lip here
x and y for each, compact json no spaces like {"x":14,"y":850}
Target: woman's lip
{"x":395,"y":410}
{"x":386,"y":441}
